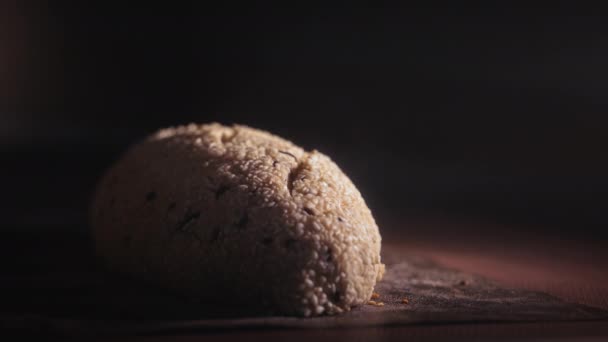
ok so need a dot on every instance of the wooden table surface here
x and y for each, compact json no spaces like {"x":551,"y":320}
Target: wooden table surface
{"x":572,"y":269}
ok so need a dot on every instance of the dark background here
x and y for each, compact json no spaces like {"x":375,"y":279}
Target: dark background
{"x":483,"y":113}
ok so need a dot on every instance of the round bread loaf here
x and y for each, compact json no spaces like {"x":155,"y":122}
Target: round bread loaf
{"x":208,"y":209}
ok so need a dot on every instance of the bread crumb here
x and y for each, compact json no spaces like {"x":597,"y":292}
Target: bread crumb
{"x":375,"y":295}
{"x":374,"y":303}
{"x":405,"y":301}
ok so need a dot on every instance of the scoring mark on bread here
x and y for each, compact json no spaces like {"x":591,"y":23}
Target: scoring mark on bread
{"x":185,"y":224}
{"x":228,"y":136}
{"x":328,"y":255}
{"x":296,"y":172}
{"x":293,"y":176}
{"x":242,"y":223}
{"x":309,"y":211}
{"x":288,"y":243}
{"x":221,"y":191}
{"x":289,"y":154}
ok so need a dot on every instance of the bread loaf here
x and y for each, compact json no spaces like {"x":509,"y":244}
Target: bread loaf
{"x":208,"y":209}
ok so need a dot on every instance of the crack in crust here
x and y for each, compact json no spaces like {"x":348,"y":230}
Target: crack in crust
{"x":289,"y":154}
{"x":293,"y":176}
{"x":243,"y":221}
{"x":183,"y":225}
{"x":229,"y":136}
{"x":221,"y":191}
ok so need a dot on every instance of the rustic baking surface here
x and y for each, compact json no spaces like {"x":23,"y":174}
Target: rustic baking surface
{"x":64,"y":292}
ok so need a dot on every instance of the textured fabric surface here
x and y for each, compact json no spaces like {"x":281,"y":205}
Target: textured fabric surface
{"x":78,"y":298}
{"x":570,"y":268}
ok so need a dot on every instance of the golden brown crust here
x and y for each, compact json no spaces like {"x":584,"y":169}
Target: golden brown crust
{"x":202,"y":208}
